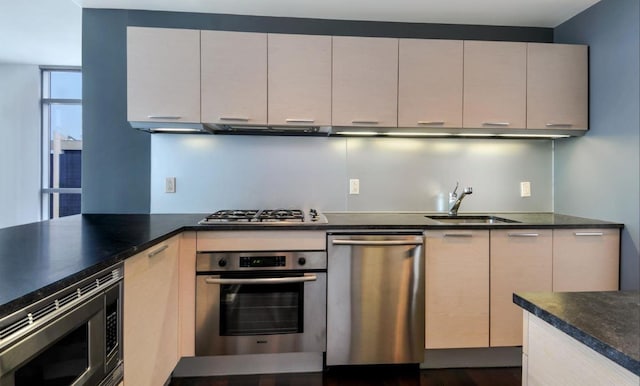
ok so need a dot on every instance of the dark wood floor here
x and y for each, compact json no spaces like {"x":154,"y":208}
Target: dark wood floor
{"x":510,"y":376}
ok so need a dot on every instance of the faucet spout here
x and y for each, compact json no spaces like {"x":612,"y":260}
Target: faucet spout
{"x":453,"y":211}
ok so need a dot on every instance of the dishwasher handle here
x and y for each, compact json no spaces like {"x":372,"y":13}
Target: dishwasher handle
{"x":417,"y":241}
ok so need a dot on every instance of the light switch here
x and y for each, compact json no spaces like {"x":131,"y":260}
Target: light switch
{"x":170,"y":185}
{"x":354,"y":186}
{"x":525,"y":189}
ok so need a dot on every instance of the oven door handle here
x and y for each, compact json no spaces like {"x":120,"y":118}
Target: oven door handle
{"x":266,"y":280}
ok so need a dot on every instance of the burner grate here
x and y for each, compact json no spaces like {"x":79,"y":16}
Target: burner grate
{"x":232,"y":215}
{"x":264,"y":216}
{"x":293,"y":215}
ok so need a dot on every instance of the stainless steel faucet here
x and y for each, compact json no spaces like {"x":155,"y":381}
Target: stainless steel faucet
{"x":455,"y":201}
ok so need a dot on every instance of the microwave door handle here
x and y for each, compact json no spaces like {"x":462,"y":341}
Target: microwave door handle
{"x":266,"y":280}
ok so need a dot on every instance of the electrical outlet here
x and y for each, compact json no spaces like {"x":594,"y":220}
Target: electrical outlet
{"x":354,"y":186}
{"x":170,"y":185}
{"x":525,"y":189}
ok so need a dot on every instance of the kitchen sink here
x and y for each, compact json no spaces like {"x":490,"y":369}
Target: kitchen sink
{"x":480,"y":219}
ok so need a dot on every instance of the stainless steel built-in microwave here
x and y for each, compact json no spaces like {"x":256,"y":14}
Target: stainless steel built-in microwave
{"x":70,"y":338}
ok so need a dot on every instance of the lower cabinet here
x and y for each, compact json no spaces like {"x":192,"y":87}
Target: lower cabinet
{"x":586,"y":259}
{"x":521,"y":260}
{"x":150,"y":327}
{"x":457,"y":285}
{"x":471,"y":276}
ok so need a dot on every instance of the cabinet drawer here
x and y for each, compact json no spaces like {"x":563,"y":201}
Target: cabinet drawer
{"x":261,"y":240}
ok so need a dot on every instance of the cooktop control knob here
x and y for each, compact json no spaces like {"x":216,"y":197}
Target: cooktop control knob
{"x":222,"y":262}
{"x":302,"y":261}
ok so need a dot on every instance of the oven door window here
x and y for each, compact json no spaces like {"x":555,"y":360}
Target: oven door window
{"x":60,"y":364}
{"x":261,"y":309}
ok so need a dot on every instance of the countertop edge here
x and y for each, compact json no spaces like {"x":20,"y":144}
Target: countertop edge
{"x":599,"y":346}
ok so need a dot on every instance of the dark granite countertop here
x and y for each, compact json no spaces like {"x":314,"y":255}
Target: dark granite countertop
{"x":607,"y":322}
{"x":40,"y":258}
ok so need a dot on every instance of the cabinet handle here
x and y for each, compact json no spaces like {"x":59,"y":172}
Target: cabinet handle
{"x":559,"y":125}
{"x":496,"y":123}
{"x":158,"y":251}
{"x":430,"y":122}
{"x":164,"y":116}
{"x":292,"y":120}
{"x":360,"y":122}
{"x":458,"y":235}
{"x":523,"y":234}
{"x":588,"y":233}
{"x":234,"y":119}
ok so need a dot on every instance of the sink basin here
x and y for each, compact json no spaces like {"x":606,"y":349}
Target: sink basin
{"x":480,"y":219}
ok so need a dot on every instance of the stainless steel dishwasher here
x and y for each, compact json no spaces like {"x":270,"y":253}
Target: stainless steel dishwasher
{"x":375,"y":298}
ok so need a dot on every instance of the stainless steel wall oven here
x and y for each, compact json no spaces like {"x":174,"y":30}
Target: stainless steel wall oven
{"x":260,"y":302}
{"x":72,"y":337}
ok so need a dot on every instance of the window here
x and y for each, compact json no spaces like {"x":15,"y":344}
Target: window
{"x":61,"y":141}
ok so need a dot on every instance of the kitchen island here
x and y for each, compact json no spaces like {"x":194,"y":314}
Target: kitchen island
{"x":581,"y":338}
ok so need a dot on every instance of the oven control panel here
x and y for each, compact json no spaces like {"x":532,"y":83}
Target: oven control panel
{"x":263,"y":261}
{"x":259,"y":261}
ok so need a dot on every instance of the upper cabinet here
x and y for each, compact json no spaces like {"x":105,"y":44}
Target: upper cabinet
{"x":495,"y":84}
{"x":234,"y":77}
{"x":430,"y":83}
{"x":163,"y":75}
{"x":246,"y":80}
{"x":365,"y":81}
{"x":299,"y":80}
{"x":557,"y":86}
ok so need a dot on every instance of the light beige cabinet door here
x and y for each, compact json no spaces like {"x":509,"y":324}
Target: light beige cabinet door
{"x":365,"y":81}
{"x":495,"y":76}
{"x":150,"y":314}
{"x":586,"y":259}
{"x":234,"y":77}
{"x":430,"y":83}
{"x":163,"y":74}
{"x":557,"y":86}
{"x":521,"y":260}
{"x":457,"y":289}
{"x":299,"y":80}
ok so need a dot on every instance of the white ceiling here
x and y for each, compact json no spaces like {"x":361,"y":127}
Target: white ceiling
{"x":48,"y":31}
{"x":45,"y":32}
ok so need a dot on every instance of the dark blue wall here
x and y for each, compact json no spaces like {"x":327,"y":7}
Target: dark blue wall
{"x":598,"y":175}
{"x":116,"y":158}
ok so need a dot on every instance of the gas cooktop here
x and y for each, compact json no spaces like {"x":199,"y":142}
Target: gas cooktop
{"x":265,"y":216}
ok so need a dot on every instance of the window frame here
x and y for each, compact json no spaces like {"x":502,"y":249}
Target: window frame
{"x":51,"y":192}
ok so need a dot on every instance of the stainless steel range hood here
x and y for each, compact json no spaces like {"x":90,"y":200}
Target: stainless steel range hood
{"x":171,"y":127}
{"x":219,"y":128}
